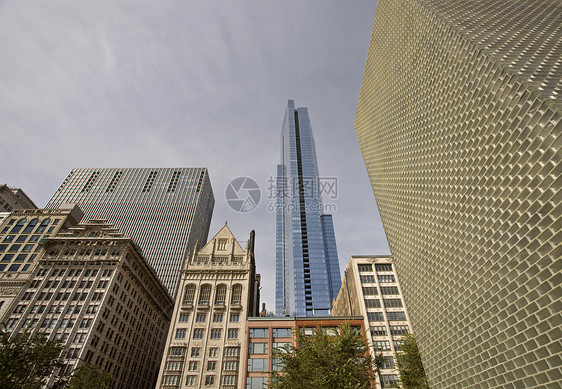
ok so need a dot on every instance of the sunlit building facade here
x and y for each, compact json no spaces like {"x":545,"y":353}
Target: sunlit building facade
{"x":459,"y":123}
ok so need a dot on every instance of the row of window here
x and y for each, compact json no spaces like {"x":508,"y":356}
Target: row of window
{"x":190,"y":380}
{"x":179,"y":351}
{"x":211,"y":365}
{"x":391,"y":316}
{"x":31,"y":226}
{"x":199,"y":333}
{"x":385,"y":278}
{"x":378,"y":267}
{"x":202,"y":318}
{"x":394,"y":330}
{"x":205,"y":294}
{"x":264,"y":332}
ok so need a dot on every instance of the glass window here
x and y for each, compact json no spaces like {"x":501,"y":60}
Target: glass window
{"x":236,"y":295}
{"x":378,"y":331}
{"x":209,"y":380}
{"x":192,"y":366}
{"x":28,"y":247}
{"x":217,"y":317}
{"x":396,"y":316}
{"x":211,"y":365}
{"x":375,"y":316}
{"x":257,"y":364}
{"x":258,"y":348}
{"x":14,"y":267}
{"x":180,"y":333}
{"x":30,"y":226}
{"x":3,"y":247}
{"x":42,"y":226}
{"x":184,"y":317}
{"x":232,"y":351}
{"x":7,"y":257}
{"x":15,"y":247}
{"x":21,"y":257}
{"x":205,"y":294}
{"x":234,"y":317}
{"x":393,"y":303}
{"x":19,"y":225}
{"x":383,"y":267}
{"x":201,"y":318}
{"x":213,"y":352}
{"x":364,"y":268}
{"x":256,"y":382}
{"x":177,"y":351}
{"x":372,"y":303}
{"x":220,"y":296}
{"x":281,"y":332}
{"x":195,"y":352}
{"x":216,"y":333}
{"x":259,"y":332}
{"x":233,"y":333}
{"x":386,"y":278}
{"x":367,"y":278}
{"x":189,"y":294}
{"x":190,"y":380}
{"x":198,"y":333}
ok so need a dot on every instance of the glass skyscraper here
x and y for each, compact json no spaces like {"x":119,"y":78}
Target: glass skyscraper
{"x":307,"y":267}
{"x":164,"y":210}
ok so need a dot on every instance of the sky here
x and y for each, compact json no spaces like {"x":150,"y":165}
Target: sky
{"x":192,"y":83}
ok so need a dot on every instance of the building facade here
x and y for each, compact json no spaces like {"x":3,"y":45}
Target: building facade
{"x":307,"y":266}
{"x":370,"y":289}
{"x":219,"y":289}
{"x":164,"y":210}
{"x":20,"y":236}
{"x":14,"y":198}
{"x":459,"y":123}
{"x":264,"y":334}
{"x":93,"y":291}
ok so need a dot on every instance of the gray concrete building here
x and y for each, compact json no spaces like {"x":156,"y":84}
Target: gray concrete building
{"x":459,"y":124}
{"x":14,"y":198}
{"x":219,"y":289}
{"x":93,"y":291}
{"x":370,"y":289}
{"x":164,"y":210}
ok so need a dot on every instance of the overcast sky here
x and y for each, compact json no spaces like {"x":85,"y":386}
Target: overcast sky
{"x":188,"y":84}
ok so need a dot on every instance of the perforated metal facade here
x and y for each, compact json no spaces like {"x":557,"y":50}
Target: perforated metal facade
{"x":164,"y":210}
{"x":459,"y":123}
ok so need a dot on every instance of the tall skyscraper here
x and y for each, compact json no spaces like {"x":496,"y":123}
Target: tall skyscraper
{"x":307,"y":267}
{"x":164,"y":210}
{"x":459,"y":123}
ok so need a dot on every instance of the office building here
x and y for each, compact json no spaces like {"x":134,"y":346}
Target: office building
{"x":459,"y":123}
{"x":264,"y":334}
{"x":219,"y":290}
{"x":370,"y":289}
{"x":307,"y":266}
{"x":165,"y":211}
{"x":93,"y":291}
{"x":20,"y":234}
{"x":14,"y":198}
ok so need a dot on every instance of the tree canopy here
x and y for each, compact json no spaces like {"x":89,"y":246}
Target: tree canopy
{"x":324,"y":361}
{"x":88,"y":376}
{"x":412,"y":373}
{"x":27,"y":361}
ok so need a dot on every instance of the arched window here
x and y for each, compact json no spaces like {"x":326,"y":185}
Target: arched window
{"x":43,"y":226}
{"x":30,"y":226}
{"x":205,"y":294}
{"x":220,"y":296}
{"x":18,"y":226}
{"x":189,"y":294}
{"x":236,"y":295}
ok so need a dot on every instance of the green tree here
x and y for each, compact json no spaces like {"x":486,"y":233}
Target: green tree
{"x":323,"y":361}
{"x":27,"y":361}
{"x":378,"y":364}
{"x":88,"y":376}
{"x":412,"y":374}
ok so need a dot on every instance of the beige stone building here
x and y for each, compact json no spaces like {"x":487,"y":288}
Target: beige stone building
{"x":459,"y":122}
{"x":14,"y":198}
{"x":20,"y":234}
{"x":93,"y":290}
{"x":370,"y":289}
{"x":219,"y":289}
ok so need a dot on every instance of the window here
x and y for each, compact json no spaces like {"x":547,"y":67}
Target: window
{"x":195,"y":351}
{"x":372,"y":303}
{"x":80,"y":337}
{"x":399,"y":330}
{"x":365,"y":268}
{"x":378,"y":331}
{"x":386,"y":278}
{"x":232,"y":351}
{"x":198,"y":333}
{"x":277,"y":364}
{"x":213,"y":352}
{"x":42,"y":226}
{"x":14,"y":247}
{"x":184,"y":317}
{"x":259,"y":332}
{"x":258,"y":348}
{"x":211,"y":365}
{"x":19,"y":225}
{"x":258,"y":364}
{"x":375,"y":316}
{"x":189,"y":294}
{"x":201,"y":318}
{"x":180,"y":333}
{"x":205,"y":294}
{"x":13,"y":267}
{"x":177,"y":351}
{"x":389,"y":379}
{"x":221,"y":246}
{"x":396,"y":316}
{"x":173,"y":365}
{"x":192,"y":366}
{"x":232,"y":333}
{"x":3,"y":247}
{"x":397,"y":345}
{"x":229,"y":379}
{"x":381,"y":345}
{"x":171,"y":379}
{"x":234,"y":317}
{"x":216,"y":333}
{"x":388,"y":363}
{"x":230,"y":365}
{"x":383,"y":267}
{"x":393,"y":303}
{"x":389,"y":290}
{"x":220,"y":296}
{"x":190,"y":380}
{"x":236,"y":295}
{"x":217,"y":317}
{"x":30,"y":226}
{"x":21,"y":257}
{"x":209,"y":380}
{"x":256,"y":382}
{"x":367,"y":278}
{"x":281,"y":332}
